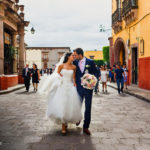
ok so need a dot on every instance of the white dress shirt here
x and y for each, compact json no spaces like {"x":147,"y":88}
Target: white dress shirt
{"x":26,"y":71}
{"x":82,"y":64}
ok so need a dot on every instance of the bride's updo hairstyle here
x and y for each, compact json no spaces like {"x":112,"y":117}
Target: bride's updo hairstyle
{"x":67,"y":57}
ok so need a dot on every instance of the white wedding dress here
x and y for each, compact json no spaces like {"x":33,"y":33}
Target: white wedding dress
{"x":64,"y":105}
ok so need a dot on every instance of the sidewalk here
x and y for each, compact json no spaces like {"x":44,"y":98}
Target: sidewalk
{"x":12,"y":89}
{"x":134,"y":91}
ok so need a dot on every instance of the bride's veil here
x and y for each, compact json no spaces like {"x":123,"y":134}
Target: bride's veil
{"x":51,"y":82}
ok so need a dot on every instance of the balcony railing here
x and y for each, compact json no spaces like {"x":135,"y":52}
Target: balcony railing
{"x":128,"y":5}
{"x":45,"y":59}
{"x":117,"y":16}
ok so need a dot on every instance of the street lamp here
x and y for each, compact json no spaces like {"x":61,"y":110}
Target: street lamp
{"x":32,"y":30}
{"x":102,"y":29}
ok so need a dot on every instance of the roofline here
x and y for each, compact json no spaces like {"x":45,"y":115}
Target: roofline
{"x":93,"y":51}
{"x":47,"y":48}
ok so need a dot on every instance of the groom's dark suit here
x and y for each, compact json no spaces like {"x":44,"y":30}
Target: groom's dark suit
{"x":85,"y":93}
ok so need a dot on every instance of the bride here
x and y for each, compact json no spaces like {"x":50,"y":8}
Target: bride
{"x":64,"y":104}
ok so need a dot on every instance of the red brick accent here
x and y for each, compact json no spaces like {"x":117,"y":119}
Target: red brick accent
{"x":129,"y":72}
{"x":144,"y":73}
{"x":3,"y":83}
{"x":8,"y":81}
{"x":20,"y":79}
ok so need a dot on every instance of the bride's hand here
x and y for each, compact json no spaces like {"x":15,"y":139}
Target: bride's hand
{"x":74,"y":84}
{"x":60,"y":74}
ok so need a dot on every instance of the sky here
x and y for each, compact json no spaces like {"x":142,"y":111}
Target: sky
{"x":68,"y":23}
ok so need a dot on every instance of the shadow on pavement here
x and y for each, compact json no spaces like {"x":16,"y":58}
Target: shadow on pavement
{"x":24,"y":92}
{"x":74,"y":140}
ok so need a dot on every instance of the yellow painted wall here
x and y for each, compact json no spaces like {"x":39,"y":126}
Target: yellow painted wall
{"x":98,"y":55}
{"x":140,"y":30}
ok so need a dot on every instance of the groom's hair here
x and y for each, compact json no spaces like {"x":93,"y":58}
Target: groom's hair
{"x":79,"y":51}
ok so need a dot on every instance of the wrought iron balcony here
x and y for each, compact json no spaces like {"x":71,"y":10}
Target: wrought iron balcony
{"x":128,"y":5}
{"x":117,"y":16}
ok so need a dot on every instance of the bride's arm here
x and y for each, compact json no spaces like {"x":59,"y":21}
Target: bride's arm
{"x":59,"y":70}
{"x":74,"y":77}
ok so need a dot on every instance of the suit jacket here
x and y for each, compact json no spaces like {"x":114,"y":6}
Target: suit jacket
{"x":28,"y":73}
{"x":89,"y":65}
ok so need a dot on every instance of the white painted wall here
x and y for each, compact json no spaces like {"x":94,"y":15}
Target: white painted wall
{"x":34,"y":56}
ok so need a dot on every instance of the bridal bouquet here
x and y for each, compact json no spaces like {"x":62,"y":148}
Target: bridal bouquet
{"x":88,"y":81}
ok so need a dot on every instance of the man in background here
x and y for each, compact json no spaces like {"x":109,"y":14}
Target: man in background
{"x":26,"y":74}
{"x":98,"y":74}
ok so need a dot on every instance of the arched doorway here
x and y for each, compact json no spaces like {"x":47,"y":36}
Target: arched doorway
{"x":120,"y":52}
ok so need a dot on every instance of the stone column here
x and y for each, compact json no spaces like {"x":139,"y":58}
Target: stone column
{"x":14,"y":42}
{"x":111,"y":51}
{"x":1,"y":46}
{"x":21,"y":49}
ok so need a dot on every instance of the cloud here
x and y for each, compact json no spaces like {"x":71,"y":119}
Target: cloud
{"x":73,"y":23}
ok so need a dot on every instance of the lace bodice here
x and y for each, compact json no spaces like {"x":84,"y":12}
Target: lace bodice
{"x":67,"y":75}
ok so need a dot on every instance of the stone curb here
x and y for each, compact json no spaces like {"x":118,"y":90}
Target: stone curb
{"x":11,"y":90}
{"x":133,"y":94}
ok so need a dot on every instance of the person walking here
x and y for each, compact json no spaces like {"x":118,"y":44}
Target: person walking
{"x":84,"y":65}
{"x":51,"y":71}
{"x":126,"y":76}
{"x":26,"y":74}
{"x":110,"y":76}
{"x":104,"y":78}
{"x":98,"y":74}
{"x":35,"y":77}
{"x":119,"y":77}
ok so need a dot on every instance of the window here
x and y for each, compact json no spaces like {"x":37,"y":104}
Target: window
{"x":91,"y":57}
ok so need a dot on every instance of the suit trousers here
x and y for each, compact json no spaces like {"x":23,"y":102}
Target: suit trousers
{"x":87,"y":94}
{"x":27,"y":83}
{"x":120,"y":81}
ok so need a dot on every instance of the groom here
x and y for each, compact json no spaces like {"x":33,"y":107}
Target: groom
{"x":84,"y":65}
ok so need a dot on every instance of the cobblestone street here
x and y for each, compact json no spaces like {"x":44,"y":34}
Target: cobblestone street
{"x":118,"y":123}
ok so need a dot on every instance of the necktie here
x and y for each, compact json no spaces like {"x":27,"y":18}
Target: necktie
{"x":81,"y":66}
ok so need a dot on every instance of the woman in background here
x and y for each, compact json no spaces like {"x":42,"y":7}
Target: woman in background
{"x":35,"y":77}
{"x":104,"y":78}
{"x":125,"y":76}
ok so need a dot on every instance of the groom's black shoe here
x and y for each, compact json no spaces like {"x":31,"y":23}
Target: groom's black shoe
{"x":77,"y":124}
{"x":86,"y":131}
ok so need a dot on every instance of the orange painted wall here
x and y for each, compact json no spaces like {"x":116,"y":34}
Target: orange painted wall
{"x":144,"y":73}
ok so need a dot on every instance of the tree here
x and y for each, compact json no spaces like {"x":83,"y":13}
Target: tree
{"x":106,"y":54}
{"x":99,"y":62}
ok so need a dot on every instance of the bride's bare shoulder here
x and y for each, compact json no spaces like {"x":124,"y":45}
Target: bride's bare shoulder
{"x":74,"y":67}
{"x":61,"y":66}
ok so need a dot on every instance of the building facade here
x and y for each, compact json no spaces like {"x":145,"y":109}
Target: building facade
{"x":129,"y":43}
{"x":12,"y":47}
{"x":94,"y":55}
{"x":45,"y":57}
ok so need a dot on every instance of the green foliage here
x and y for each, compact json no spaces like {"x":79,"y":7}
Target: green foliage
{"x":99,"y":62}
{"x":10,"y":53}
{"x":106,"y":53}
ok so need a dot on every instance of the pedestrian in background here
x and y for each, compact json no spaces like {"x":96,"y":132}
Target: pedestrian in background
{"x":113,"y":73}
{"x":119,"y":78}
{"x":26,"y":74}
{"x":110,"y":75}
{"x":35,"y":77}
{"x":126,"y":76}
{"x":98,"y":74}
{"x":104,"y":78}
{"x":51,"y":71}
